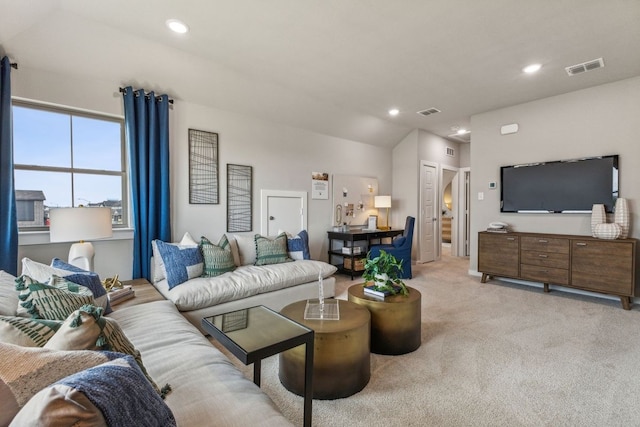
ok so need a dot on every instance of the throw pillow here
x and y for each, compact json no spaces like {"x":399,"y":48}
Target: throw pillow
{"x":26,"y":370}
{"x":27,"y":332}
{"x":87,"y":329}
{"x":181,"y":263}
{"x":8,"y":294}
{"x":298,"y":246}
{"x":42,"y":273}
{"x":113,"y":393}
{"x":399,"y":241}
{"x":217,"y":258}
{"x":246,"y":249}
{"x":55,"y":300}
{"x":270,"y":251}
{"x":85,"y":278}
{"x":158,"y":264}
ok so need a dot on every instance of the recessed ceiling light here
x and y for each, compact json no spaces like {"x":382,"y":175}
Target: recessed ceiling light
{"x":462,"y":131}
{"x":530,"y":69}
{"x":394,"y":112}
{"x":177,"y":26}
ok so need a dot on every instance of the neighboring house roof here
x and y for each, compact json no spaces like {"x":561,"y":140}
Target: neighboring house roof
{"x":30,"y":195}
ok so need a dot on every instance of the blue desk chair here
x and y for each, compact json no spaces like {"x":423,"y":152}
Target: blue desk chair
{"x":400,"y":248}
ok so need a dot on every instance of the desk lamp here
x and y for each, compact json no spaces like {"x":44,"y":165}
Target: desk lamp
{"x":80,"y":224}
{"x":383,"y":202}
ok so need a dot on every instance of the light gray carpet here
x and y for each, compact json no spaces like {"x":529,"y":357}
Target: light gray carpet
{"x":493,"y":354}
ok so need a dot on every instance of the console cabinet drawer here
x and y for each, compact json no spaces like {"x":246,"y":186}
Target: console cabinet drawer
{"x":545,"y":244}
{"x":558,"y":276}
{"x":545,"y":259}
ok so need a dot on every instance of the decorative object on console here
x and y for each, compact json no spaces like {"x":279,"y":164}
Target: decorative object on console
{"x":383,"y":202}
{"x":622,"y":217}
{"x":607,"y":231}
{"x":385,"y":272}
{"x":598,"y":216}
{"x":80,"y":224}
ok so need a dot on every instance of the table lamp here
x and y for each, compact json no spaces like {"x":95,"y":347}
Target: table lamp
{"x":80,"y":224}
{"x":383,"y":202}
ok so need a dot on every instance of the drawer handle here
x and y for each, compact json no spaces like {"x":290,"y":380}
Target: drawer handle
{"x":543,"y":256}
{"x":543,"y":241}
{"x":581,"y":244}
{"x":511,"y":238}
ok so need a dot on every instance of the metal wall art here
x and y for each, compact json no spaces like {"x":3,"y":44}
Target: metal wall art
{"x":203,"y":167}
{"x":239,"y":207}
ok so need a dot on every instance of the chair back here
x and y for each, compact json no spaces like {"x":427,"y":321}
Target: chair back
{"x":408,"y":229}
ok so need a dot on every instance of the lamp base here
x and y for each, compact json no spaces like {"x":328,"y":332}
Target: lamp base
{"x":81,"y":255}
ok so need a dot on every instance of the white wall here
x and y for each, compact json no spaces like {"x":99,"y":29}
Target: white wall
{"x":282,"y":158}
{"x":590,"y":122}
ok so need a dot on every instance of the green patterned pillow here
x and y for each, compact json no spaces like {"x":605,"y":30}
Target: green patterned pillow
{"x":55,"y":300}
{"x":218,"y":259}
{"x":27,"y":332}
{"x":270,"y":251}
{"x":87,"y":329}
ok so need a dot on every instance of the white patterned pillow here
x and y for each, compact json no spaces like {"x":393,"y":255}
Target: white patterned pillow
{"x":27,"y":332}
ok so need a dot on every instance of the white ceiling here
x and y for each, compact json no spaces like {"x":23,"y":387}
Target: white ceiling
{"x":333,"y":66}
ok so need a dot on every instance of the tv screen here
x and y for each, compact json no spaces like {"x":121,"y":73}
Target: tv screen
{"x":566,"y":186}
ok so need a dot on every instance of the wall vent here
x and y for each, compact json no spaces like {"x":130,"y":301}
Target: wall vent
{"x":450,"y":152}
{"x":429,"y":111}
{"x":584,"y":67}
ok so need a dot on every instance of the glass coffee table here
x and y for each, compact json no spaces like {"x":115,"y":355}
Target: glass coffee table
{"x":255,"y":333}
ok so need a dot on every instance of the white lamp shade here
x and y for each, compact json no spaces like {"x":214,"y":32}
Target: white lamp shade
{"x":77,"y":224}
{"x":382,"y":201}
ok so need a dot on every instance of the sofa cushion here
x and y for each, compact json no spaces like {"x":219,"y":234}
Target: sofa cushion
{"x":271,"y":251}
{"x":42,"y":273}
{"x":180,"y":263}
{"x":55,"y":300}
{"x":27,"y":332}
{"x":158,"y":270}
{"x":87,"y":329}
{"x":26,"y":370}
{"x":117,"y":394}
{"x":217,"y":258}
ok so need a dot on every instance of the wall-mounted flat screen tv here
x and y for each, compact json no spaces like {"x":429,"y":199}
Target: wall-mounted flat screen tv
{"x":566,"y":186}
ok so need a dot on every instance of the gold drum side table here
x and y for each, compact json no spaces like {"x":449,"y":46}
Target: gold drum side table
{"x":341,"y":361}
{"x":395,"y":320}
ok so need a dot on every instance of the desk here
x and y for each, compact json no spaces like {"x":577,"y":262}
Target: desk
{"x":349,"y":239}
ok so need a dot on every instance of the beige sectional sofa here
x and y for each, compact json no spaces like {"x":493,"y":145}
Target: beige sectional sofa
{"x":207,"y":389}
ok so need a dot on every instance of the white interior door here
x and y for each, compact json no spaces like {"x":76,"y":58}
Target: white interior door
{"x":283,"y":210}
{"x":428,"y":231}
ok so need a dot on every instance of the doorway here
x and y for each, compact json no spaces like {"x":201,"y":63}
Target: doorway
{"x":428,"y":230}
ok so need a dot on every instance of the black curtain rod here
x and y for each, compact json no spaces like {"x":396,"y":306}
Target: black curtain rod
{"x":14,"y":65}
{"x":124,"y":89}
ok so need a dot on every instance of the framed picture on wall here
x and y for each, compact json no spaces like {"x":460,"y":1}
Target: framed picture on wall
{"x":203,"y":167}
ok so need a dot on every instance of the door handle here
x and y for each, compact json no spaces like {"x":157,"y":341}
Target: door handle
{"x":271,"y":218}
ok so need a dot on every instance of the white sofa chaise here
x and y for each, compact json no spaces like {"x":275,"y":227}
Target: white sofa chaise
{"x":207,"y":389}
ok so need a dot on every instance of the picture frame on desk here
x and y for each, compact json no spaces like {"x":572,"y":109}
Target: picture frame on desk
{"x":372,"y":224}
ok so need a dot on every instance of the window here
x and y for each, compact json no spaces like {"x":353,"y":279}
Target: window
{"x":67,"y":158}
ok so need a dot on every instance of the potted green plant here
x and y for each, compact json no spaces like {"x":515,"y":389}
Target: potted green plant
{"x":384,"y":271}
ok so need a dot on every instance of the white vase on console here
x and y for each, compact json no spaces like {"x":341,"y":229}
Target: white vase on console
{"x":598,"y":216}
{"x":621,"y":217}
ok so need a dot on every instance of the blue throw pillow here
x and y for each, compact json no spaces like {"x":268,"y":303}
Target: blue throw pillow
{"x":87,"y":279}
{"x":399,"y":241}
{"x":298,"y":246}
{"x":180,"y":263}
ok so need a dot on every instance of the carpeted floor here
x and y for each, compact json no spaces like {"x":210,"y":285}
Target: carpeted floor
{"x":494,"y":354}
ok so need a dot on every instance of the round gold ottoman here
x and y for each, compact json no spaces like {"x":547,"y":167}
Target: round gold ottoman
{"x":341,"y":359}
{"x":395,"y":321}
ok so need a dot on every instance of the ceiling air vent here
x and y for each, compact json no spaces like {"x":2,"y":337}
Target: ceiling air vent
{"x":429,"y":111}
{"x":584,"y":67}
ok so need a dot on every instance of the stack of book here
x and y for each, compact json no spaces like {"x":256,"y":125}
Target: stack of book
{"x":372,"y":291}
{"x":118,"y":295}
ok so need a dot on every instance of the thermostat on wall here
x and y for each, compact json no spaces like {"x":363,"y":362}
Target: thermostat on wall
{"x":492,"y":185}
